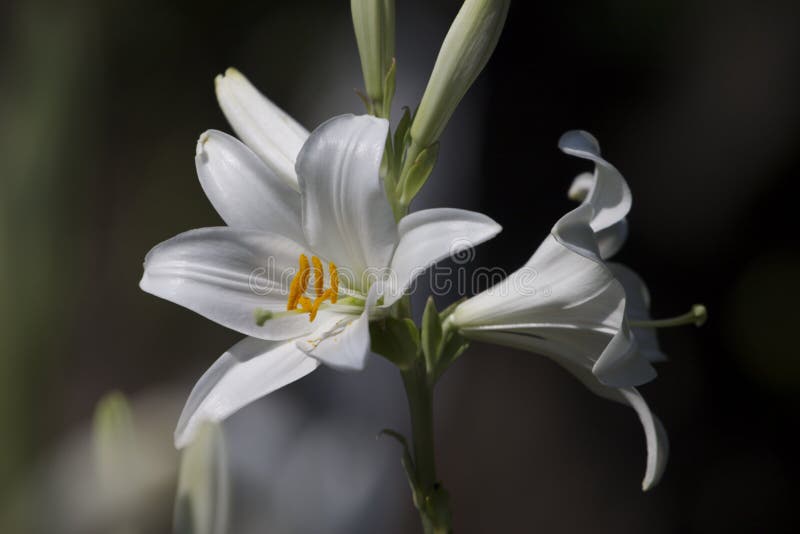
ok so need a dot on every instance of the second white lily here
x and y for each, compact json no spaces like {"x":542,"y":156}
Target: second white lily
{"x":568,"y":304}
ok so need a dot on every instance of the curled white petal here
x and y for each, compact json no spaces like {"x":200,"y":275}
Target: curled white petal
{"x":609,"y":195}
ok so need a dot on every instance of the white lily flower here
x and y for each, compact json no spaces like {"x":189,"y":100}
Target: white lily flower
{"x":239,"y":275}
{"x":568,"y":304}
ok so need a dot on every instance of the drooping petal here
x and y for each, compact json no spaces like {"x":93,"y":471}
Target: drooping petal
{"x":637,"y":308}
{"x":342,"y":341}
{"x":346,"y":215}
{"x":609,"y":195}
{"x":226,"y":275}
{"x":245,"y":192}
{"x":267,"y":129}
{"x":429,"y":236}
{"x":655,"y":435}
{"x":248,"y":371}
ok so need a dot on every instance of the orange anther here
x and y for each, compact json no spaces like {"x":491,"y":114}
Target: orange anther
{"x":319,"y":276}
{"x":334,"y":276}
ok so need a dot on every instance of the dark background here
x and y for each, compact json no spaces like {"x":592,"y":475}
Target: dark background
{"x":695,"y":102}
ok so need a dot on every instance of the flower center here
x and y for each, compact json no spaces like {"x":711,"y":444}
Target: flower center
{"x":299,"y":285}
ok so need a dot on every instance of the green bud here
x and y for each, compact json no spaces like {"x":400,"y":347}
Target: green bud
{"x":466,"y":49}
{"x":115,"y":450}
{"x":431,"y":334}
{"x":373,"y":21}
{"x":203,"y":499}
{"x":418,"y":173}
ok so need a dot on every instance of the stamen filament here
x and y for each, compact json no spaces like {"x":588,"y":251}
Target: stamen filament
{"x":319,"y":276}
{"x":305,"y":304}
{"x":317,"y":303}
{"x":697,"y":316}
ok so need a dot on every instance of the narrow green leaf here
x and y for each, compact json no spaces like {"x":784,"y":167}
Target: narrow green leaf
{"x":448,"y":311}
{"x":431,"y":334}
{"x":401,"y":135}
{"x":454,"y":346}
{"x":388,"y":88}
{"x":419,"y":172}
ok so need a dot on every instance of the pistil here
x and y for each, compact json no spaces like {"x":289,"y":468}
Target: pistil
{"x":696,"y":316}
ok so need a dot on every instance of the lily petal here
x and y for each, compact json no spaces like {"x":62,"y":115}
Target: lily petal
{"x":558,"y":285}
{"x":248,"y":371}
{"x":245,"y":192}
{"x":620,"y":364}
{"x":637,"y":308}
{"x":611,"y":239}
{"x":226,"y":274}
{"x":610,"y":195}
{"x":655,"y":435}
{"x":267,"y":129}
{"x":346,"y":215}
{"x":429,"y":236}
{"x":563,"y":290}
{"x":342,"y":341}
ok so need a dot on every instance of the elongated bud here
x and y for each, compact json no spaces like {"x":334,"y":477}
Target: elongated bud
{"x":114,"y":443}
{"x":203,"y":500}
{"x":373,"y":21}
{"x":466,"y":49}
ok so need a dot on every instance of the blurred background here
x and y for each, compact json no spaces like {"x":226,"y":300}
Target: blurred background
{"x":695,"y":102}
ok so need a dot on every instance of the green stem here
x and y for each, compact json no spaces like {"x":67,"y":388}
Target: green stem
{"x":431,"y":500}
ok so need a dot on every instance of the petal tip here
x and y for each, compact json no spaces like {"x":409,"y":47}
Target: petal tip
{"x":577,"y":142}
{"x":201,"y":142}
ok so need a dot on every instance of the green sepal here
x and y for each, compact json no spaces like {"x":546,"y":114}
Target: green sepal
{"x":365,"y":100}
{"x":388,"y":89}
{"x":431,"y":336}
{"x":453,"y":346}
{"x":395,"y":339}
{"x":401,"y":136}
{"x":448,"y":311}
{"x":418,"y":173}
{"x":407,"y":460}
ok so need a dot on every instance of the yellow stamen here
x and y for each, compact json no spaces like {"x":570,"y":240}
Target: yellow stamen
{"x":305,"y":304}
{"x":294,"y":294}
{"x":299,"y":286}
{"x":305,"y":273}
{"x":319,"y":276}
{"x":317,"y":302}
{"x":334,"y":276}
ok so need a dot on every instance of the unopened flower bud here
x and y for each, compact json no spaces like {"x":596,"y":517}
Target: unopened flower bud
{"x":373,"y":21}
{"x":466,"y":49}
